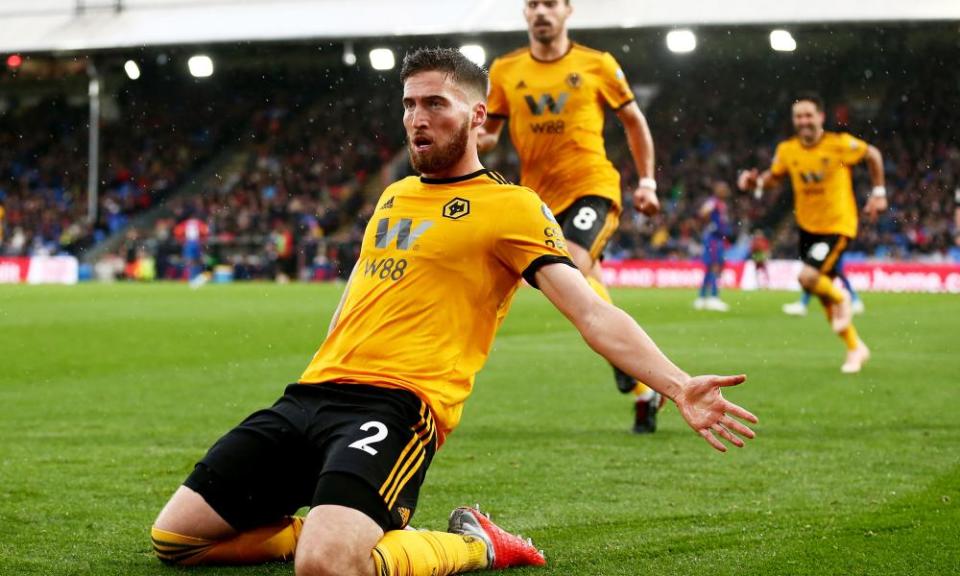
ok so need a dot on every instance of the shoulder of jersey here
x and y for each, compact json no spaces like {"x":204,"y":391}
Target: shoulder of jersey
{"x":513,"y":55}
{"x":588,"y":50}
{"x":498,"y":178}
{"x":506,"y":186}
{"x":407,"y":181}
{"x":400,"y":185}
{"x":834,"y":140}
{"x":589,"y":54}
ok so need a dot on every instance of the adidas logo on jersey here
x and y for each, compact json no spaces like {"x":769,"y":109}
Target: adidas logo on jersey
{"x":388,"y":204}
{"x":520,"y":85}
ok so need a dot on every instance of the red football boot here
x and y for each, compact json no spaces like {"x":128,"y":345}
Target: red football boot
{"x":504,"y":550}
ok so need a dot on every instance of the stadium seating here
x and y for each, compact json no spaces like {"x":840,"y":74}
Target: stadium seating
{"x":298,"y":176}
{"x":700,"y":138}
{"x":152,"y":141}
{"x":291,"y":201}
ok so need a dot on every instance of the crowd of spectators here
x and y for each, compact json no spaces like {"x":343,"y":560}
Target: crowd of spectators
{"x":151,"y":141}
{"x":42,"y":177}
{"x":704,"y":135}
{"x":291,"y":203}
{"x":305,"y":160}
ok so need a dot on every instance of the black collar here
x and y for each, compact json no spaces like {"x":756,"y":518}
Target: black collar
{"x":557,"y":59}
{"x":479,"y":172}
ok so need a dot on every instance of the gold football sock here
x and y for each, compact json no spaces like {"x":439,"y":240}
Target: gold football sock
{"x":265,"y":544}
{"x":642,"y":390}
{"x":826,"y":307}
{"x":422,"y":553}
{"x":825,"y":289}
{"x":850,"y":337}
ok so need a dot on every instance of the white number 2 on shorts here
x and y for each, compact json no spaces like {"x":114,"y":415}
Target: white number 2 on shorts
{"x":364,"y":443}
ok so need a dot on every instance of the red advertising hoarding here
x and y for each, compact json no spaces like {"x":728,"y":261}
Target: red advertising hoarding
{"x":39,"y":270}
{"x":782,"y":275}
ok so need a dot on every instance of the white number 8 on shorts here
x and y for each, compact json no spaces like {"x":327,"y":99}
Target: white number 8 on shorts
{"x":585,"y":218}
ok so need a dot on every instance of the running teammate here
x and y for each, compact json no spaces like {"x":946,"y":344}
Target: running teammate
{"x":819,"y":163}
{"x":554,"y":94}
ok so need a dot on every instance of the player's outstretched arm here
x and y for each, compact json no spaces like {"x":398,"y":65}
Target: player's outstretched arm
{"x":613,"y":334}
{"x":489,"y":134}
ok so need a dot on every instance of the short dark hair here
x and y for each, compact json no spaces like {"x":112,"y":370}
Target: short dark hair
{"x":812,"y":97}
{"x":463,"y":71}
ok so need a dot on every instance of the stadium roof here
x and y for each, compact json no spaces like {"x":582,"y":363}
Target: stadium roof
{"x":78,"y":25}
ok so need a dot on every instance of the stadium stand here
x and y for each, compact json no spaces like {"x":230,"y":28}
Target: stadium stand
{"x":298,"y":176}
{"x":152,"y":141}
{"x":700,"y":139}
{"x":305,"y":151}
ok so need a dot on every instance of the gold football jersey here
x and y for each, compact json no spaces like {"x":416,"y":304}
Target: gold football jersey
{"x":439,"y":260}
{"x":556,"y":115}
{"x":822,"y":184}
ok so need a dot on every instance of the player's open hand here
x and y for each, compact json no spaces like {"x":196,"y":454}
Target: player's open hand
{"x":875,"y":205}
{"x":706,"y":411}
{"x":747,"y":179}
{"x":645,"y":201}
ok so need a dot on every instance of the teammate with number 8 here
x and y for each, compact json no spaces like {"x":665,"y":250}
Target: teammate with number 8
{"x":554,"y":95}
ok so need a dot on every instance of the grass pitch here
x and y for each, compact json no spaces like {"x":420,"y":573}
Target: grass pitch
{"x":109,"y":394}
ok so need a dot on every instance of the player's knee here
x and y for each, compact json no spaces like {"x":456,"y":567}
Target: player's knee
{"x":808,"y":278}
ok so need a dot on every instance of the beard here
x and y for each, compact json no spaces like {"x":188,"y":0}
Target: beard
{"x":544,"y":35}
{"x":440,"y":157}
{"x":807,"y":133}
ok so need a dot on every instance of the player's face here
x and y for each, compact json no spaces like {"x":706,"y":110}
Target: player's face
{"x":546,"y":19}
{"x":807,"y":120}
{"x":438,"y":117}
{"x":721,"y":190}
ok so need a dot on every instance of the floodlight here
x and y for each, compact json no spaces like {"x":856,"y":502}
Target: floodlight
{"x":349,"y":56}
{"x":681,"y":41}
{"x":475,"y":53}
{"x":382,"y":59}
{"x":782,"y":41}
{"x":201,"y":66}
{"x":132,"y":70}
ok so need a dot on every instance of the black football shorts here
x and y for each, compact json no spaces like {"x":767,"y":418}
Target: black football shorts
{"x":589,"y":222}
{"x":363,"y":447}
{"x":822,"y":251}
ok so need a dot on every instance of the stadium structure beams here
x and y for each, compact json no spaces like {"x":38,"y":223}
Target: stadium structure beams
{"x":93,"y":145}
{"x":61,"y":25}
